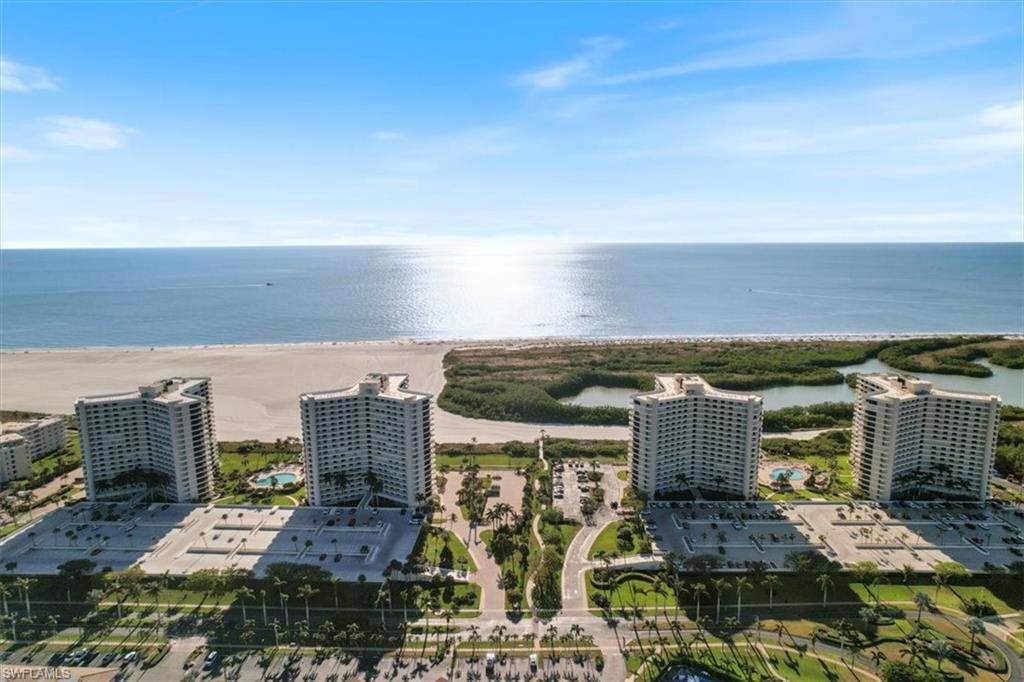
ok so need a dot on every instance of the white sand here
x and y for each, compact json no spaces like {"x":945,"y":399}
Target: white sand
{"x":255,"y":388}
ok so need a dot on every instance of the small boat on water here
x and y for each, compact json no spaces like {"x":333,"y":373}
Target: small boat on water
{"x":270,"y":284}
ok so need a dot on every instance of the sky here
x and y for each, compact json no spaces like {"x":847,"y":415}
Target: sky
{"x":232,"y":123}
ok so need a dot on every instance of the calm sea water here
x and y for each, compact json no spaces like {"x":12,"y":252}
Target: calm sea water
{"x":156,"y":297}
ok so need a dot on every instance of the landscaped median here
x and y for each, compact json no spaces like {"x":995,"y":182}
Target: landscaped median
{"x":810,"y":625}
{"x":869,"y":646}
{"x":438,"y":547}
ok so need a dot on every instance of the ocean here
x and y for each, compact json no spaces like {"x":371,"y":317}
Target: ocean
{"x":160,"y":297}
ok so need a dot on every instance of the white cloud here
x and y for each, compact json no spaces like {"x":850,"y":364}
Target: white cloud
{"x":387,"y":135}
{"x":572,"y":71}
{"x":85,"y":133}
{"x":1002,"y":132}
{"x":17,"y":77}
{"x":10,"y":152}
{"x":861,"y":31}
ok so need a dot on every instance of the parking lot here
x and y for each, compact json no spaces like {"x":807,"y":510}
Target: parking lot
{"x":182,"y":538}
{"x":916,"y":534}
{"x":571,"y":481}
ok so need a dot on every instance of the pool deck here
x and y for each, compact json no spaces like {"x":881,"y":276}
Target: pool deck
{"x":767,"y":468}
{"x":294,"y":471}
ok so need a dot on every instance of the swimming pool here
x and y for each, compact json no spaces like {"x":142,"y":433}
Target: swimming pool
{"x":794,"y":474}
{"x":280,"y":477}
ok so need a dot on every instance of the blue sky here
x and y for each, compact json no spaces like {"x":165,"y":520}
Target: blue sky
{"x":204,"y":123}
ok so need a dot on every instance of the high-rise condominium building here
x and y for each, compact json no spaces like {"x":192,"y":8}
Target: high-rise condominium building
{"x":42,"y":436}
{"x":374,"y":437}
{"x":686,"y":433}
{"x":909,"y":438}
{"x":159,"y":439}
{"x":15,"y":460}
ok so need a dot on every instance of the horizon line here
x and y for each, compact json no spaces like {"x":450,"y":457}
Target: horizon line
{"x":439,"y":243}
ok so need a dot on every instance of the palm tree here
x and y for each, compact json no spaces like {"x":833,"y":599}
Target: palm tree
{"x":5,"y":592}
{"x":907,"y":573}
{"x":305,"y":592}
{"x":552,"y":637}
{"x":772,"y":581}
{"x":380,"y":600}
{"x":976,"y":626}
{"x":720,"y":585}
{"x":24,"y":585}
{"x":878,"y":656}
{"x":942,"y":649}
{"x":263,"y":599}
{"x":244,"y":593}
{"x":741,"y":584}
{"x":577,"y":633}
{"x":698,"y":590}
{"x":824,"y":582}
{"x":922,"y":601}
{"x":474,"y":638}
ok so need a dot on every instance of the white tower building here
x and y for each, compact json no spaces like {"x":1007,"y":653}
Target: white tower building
{"x":686,"y":433}
{"x":42,"y":436}
{"x":910,"y":436}
{"x":159,"y":437}
{"x":375,"y":436}
{"x":15,"y":460}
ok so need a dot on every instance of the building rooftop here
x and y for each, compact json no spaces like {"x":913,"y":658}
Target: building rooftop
{"x":676,"y":385}
{"x":899,"y":387}
{"x":19,"y":425}
{"x":166,"y":390}
{"x":373,"y":384}
{"x":11,"y":437}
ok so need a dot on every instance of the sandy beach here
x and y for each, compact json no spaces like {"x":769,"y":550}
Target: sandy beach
{"x":256,"y":387}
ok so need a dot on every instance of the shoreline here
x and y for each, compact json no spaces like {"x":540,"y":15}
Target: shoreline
{"x":523,"y":342}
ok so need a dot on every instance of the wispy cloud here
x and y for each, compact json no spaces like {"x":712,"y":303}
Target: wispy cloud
{"x":1002,"y":132}
{"x":16,"y":77}
{"x":10,"y":152}
{"x":85,"y":133}
{"x":862,"y":31}
{"x":387,"y":135}
{"x":574,"y":70}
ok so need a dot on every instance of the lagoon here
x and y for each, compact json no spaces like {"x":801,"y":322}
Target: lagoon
{"x":1008,"y":383}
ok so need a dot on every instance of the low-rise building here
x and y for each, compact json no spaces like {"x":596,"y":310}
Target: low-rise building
{"x":688,"y":434}
{"x":15,"y":461}
{"x":374,"y":437}
{"x":159,"y":439}
{"x":43,"y":436}
{"x":912,"y":439}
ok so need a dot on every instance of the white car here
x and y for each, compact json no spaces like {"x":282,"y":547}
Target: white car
{"x":491,"y":659}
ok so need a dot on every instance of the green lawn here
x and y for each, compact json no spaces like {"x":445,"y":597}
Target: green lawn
{"x":252,"y":462}
{"x":299,"y":497}
{"x":487,"y":460}
{"x":1003,"y":594}
{"x":623,"y":475}
{"x":432,"y":548}
{"x":72,"y":453}
{"x":607,"y":542}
